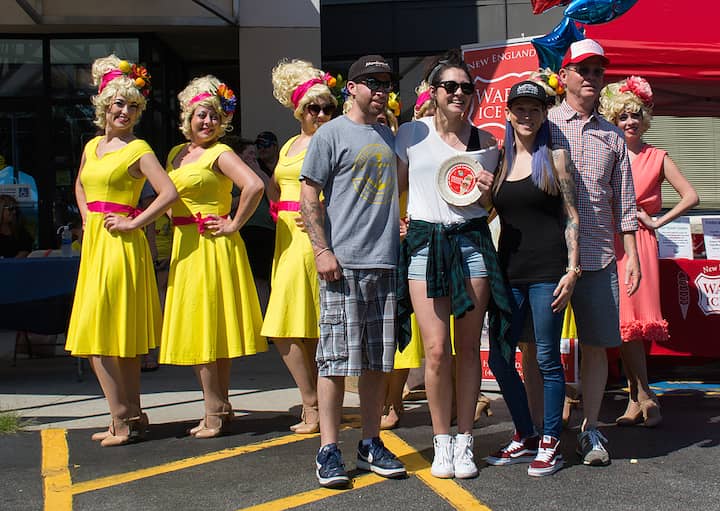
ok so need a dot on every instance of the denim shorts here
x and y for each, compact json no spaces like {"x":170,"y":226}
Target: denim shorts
{"x":473,"y":264}
{"x":595,"y":303}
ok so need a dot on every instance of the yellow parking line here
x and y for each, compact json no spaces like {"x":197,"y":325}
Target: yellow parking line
{"x":415,"y":464}
{"x":308,"y":497}
{"x":55,"y":473}
{"x":127,"y":477}
{"x":449,"y":490}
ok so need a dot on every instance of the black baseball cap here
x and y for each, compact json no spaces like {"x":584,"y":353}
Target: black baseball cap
{"x":266,"y":139}
{"x":527,"y":89}
{"x":367,"y":65}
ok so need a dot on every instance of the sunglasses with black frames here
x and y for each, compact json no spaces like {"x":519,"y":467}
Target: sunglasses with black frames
{"x":315,"y":110}
{"x":451,"y":86}
{"x":377,"y":85}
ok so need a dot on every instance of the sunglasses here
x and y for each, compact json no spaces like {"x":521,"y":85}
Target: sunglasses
{"x":596,"y":72}
{"x":11,"y":207}
{"x":451,"y":86}
{"x":264,"y":144}
{"x":632,"y":115}
{"x":377,"y":85}
{"x":315,"y":110}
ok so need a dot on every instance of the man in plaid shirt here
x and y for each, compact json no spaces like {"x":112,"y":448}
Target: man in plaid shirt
{"x":606,"y":204}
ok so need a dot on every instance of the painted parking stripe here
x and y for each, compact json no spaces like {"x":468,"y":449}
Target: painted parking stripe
{"x":56,"y":476}
{"x":415,"y":464}
{"x":127,"y":477}
{"x":448,"y":489}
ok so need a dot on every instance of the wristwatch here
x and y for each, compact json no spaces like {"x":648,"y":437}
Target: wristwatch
{"x":576,"y":269}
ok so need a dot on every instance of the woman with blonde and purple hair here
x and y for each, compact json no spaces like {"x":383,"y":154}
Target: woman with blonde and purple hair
{"x":116,"y":312}
{"x":628,"y":104}
{"x":293,"y":313}
{"x":212,"y":312}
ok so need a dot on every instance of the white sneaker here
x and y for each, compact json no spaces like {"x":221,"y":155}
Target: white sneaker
{"x":442,"y":465}
{"x":463,"y":463}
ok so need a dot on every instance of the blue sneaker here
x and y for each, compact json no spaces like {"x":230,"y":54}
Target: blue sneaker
{"x":376,"y":458}
{"x":330,"y":468}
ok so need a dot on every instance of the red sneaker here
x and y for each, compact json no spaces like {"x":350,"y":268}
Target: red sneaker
{"x":548,"y":459}
{"x":519,"y":450}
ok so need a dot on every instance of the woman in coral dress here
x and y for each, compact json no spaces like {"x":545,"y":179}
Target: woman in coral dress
{"x":293,"y":314}
{"x":116,"y":313}
{"x":628,"y":104}
{"x":212,"y":312}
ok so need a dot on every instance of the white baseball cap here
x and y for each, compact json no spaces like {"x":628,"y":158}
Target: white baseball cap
{"x":584,"y":49}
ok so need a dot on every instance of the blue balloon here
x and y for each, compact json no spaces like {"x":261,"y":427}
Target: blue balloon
{"x":552,"y":48}
{"x":592,"y":12}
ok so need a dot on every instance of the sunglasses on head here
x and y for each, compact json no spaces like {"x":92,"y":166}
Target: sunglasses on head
{"x":377,"y":85}
{"x":451,"y":86}
{"x":315,"y":110}
{"x":597,"y":72}
{"x":631,"y":115}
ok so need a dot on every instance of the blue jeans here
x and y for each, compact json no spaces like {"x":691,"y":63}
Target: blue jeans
{"x":547,"y":326}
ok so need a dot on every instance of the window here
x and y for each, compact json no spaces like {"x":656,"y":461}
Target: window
{"x":21,"y":67}
{"x":694,"y":144}
{"x":71,"y":62}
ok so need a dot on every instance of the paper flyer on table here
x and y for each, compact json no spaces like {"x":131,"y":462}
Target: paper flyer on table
{"x":711,"y":234}
{"x":675,"y":240}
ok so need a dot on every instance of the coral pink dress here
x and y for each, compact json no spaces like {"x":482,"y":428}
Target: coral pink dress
{"x":640,"y":314}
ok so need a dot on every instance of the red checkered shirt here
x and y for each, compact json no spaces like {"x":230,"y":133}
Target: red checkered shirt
{"x":605,"y":192}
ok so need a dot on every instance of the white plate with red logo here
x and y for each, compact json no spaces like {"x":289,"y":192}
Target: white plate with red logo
{"x":457,"y":180}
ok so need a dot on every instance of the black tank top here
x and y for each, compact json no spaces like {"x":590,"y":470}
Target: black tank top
{"x":532,"y":240}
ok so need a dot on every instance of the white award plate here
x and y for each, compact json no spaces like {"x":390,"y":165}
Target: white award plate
{"x":457,"y":180}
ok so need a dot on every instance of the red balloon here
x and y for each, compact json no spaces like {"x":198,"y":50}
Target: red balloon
{"x":540,"y":6}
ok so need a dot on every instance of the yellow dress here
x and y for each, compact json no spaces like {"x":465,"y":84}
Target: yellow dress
{"x":212,"y":309}
{"x":116,"y":311}
{"x":412,"y":356}
{"x":294,"y":307}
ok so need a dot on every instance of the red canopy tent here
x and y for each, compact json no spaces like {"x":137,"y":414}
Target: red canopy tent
{"x":672,"y":43}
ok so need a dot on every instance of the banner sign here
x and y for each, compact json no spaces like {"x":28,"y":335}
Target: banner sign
{"x":495,"y":67}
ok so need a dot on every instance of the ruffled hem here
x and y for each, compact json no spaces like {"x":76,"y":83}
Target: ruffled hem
{"x":636,"y":330}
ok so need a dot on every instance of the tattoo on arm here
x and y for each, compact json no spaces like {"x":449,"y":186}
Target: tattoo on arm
{"x":313,"y":215}
{"x":566,"y":184}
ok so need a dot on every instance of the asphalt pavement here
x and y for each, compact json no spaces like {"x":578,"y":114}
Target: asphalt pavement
{"x":260,"y":464}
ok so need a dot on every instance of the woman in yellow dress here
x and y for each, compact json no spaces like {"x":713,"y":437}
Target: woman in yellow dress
{"x":293,"y":312}
{"x":212,"y":312}
{"x":116,"y":313}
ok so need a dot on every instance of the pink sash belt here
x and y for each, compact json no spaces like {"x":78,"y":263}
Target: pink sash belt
{"x":113,"y":207}
{"x":197,"y":219}
{"x":284,"y":205}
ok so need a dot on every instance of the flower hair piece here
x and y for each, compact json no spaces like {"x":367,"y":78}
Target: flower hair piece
{"x":227,"y":98}
{"x":228,"y":101}
{"x":639,"y":87}
{"x":138,"y":74}
{"x":394,"y":103}
{"x":550,"y":81}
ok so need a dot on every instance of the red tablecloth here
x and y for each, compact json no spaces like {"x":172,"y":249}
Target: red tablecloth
{"x":690,"y":298}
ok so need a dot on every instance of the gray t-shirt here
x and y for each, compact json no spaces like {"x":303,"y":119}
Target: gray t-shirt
{"x":355,"y":166}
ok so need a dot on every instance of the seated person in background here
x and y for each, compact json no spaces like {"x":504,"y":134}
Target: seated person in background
{"x":14,"y":238}
{"x":268,"y":151}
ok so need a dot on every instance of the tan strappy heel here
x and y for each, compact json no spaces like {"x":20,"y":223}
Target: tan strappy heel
{"x":310,"y":423}
{"x":134,"y":428}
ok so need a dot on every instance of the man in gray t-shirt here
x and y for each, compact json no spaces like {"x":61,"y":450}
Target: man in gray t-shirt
{"x":355,"y":238}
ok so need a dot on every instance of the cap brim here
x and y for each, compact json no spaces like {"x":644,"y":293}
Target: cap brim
{"x":584,"y":56}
